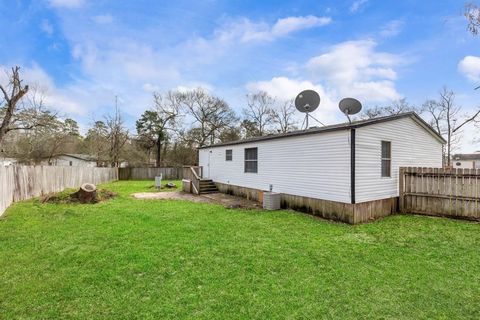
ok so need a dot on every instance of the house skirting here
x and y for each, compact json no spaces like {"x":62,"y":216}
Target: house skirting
{"x":333,"y":210}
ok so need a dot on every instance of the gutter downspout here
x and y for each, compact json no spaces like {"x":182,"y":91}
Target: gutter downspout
{"x":352,"y":166}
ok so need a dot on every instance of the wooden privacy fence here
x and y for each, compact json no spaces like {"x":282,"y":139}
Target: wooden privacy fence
{"x":149,"y":173}
{"x":25,"y":182}
{"x":442,"y":192}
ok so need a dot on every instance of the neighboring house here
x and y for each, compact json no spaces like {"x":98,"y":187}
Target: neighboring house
{"x":123,"y":164}
{"x":347,"y":172}
{"x":466,"y":160}
{"x":72,"y":160}
{"x":4,"y":162}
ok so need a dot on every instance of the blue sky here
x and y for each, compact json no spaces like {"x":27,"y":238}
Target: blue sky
{"x":84,"y":52}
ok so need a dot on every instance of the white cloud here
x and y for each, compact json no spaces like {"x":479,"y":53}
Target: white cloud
{"x":247,"y":30}
{"x":374,"y":91}
{"x":392,"y":28}
{"x":290,"y":24}
{"x":470,"y":67}
{"x":67,"y":3}
{"x":356,"y":68}
{"x":124,"y":62}
{"x":132,"y":64}
{"x":283,"y":88}
{"x":193,"y":86}
{"x":148,"y":87}
{"x":46,"y":27}
{"x":103,"y":19}
{"x":125,"y":68}
{"x":356,"y":5}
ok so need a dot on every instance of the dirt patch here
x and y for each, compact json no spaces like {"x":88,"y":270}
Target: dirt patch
{"x":228,"y":201}
{"x":67,"y":196}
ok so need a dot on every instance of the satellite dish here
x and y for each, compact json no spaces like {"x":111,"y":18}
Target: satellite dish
{"x":350,"y":106}
{"x":307,"y":101}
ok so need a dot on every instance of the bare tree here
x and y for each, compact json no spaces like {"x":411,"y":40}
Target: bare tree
{"x":396,"y":107}
{"x":259,"y":111}
{"x":283,"y":116}
{"x":448,"y":119}
{"x":117,"y":136}
{"x":210,"y":114}
{"x":472,"y":13}
{"x":12,"y":94}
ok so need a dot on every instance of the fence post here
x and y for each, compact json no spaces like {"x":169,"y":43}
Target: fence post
{"x":401,"y":185}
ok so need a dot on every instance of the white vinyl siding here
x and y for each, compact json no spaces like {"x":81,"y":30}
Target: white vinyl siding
{"x":64,"y":160}
{"x":316,"y":165}
{"x":411,"y":145}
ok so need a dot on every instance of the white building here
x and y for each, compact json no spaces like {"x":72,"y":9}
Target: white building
{"x":347,"y":172}
{"x":72,"y":160}
{"x":5,"y":162}
{"x":466,"y":160}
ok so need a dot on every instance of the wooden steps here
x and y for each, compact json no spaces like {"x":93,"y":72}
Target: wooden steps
{"x":207,"y":186}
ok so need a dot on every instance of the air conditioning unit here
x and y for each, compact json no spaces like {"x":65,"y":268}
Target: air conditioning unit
{"x":271,"y":201}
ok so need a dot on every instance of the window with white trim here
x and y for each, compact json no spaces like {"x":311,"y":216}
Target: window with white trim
{"x":251,"y":160}
{"x":386,"y":159}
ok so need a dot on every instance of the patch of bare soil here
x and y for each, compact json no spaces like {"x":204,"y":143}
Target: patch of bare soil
{"x":69,"y":196}
{"x":228,"y":201}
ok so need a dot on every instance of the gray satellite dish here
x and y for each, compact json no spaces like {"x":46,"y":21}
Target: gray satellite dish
{"x":306,"y":102}
{"x":350,"y":106}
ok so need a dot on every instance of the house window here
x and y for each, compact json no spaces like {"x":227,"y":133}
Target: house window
{"x":228,"y":155}
{"x":251,"y":160}
{"x":71,"y":163}
{"x":386,"y":158}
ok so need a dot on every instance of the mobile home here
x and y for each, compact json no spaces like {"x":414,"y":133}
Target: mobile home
{"x":347,"y":172}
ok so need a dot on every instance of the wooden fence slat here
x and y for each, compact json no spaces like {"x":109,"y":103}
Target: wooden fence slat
{"x":401,"y":187}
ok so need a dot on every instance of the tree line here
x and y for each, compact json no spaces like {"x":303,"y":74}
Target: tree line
{"x":167,"y":134}
{"x":178,"y":122}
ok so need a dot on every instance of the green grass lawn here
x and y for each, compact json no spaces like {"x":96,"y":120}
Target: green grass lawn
{"x":150,"y":259}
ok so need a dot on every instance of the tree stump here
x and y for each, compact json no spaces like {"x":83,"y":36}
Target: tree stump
{"x":86,"y":194}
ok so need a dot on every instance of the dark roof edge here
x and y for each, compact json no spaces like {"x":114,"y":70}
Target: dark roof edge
{"x":76,"y":157}
{"x":337,"y":127}
{"x":466,"y":156}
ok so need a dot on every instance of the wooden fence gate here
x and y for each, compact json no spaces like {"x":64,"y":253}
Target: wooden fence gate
{"x":440,"y":192}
